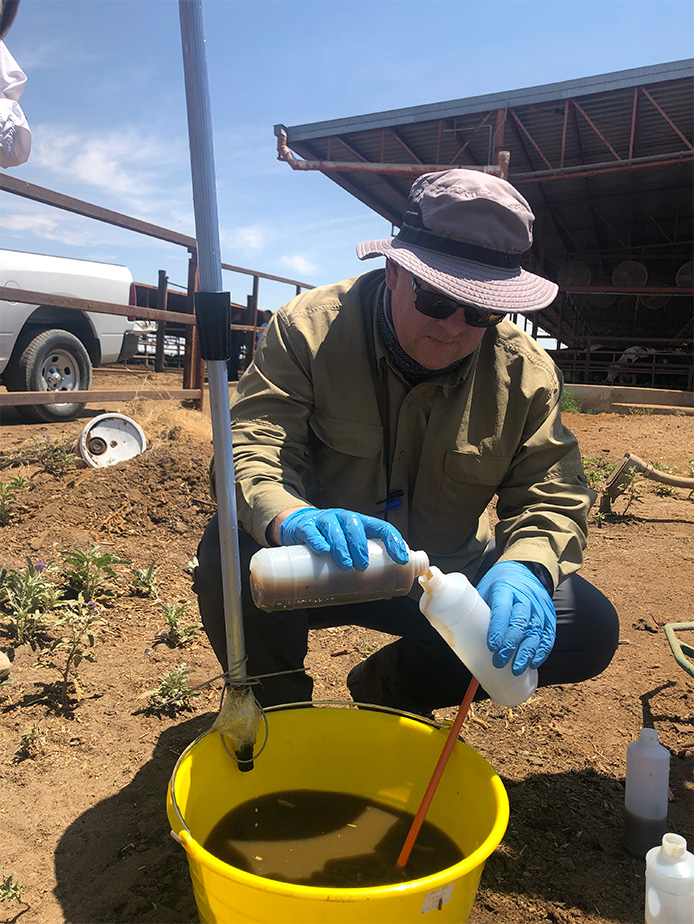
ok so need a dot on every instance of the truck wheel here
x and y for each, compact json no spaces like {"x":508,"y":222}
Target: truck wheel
{"x":54,"y":360}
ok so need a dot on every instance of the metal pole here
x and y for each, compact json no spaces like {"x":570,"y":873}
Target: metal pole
{"x":210,"y":270}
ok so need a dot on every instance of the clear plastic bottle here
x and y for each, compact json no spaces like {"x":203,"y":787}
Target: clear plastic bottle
{"x":461,"y":617}
{"x":670,"y":882}
{"x":292,"y":576}
{"x":646,"y":793}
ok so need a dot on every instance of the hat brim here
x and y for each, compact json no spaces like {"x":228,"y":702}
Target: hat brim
{"x":503,"y":290}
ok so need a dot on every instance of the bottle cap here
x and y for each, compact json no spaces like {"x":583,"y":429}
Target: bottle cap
{"x":674,"y":845}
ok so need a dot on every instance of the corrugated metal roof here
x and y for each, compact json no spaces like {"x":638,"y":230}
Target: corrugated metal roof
{"x":606,"y":163}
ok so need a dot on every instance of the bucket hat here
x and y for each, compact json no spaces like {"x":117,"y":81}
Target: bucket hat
{"x":464,"y":233}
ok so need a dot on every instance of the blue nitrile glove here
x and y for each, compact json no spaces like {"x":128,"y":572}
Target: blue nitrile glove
{"x":343,"y":533}
{"x":523,"y":624}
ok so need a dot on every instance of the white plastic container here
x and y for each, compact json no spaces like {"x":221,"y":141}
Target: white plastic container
{"x":292,"y":576}
{"x":646,"y":793}
{"x":670,"y":882}
{"x":109,"y":439}
{"x":461,"y":617}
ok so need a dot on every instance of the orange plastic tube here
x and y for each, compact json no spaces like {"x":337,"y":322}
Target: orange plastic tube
{"x":438,"y":773}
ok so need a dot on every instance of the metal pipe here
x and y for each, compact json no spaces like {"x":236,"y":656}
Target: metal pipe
{"x":327,"y":166}
{"x":630,"y":465}
{"x":210,"y":270}
{"x":610,"y":166}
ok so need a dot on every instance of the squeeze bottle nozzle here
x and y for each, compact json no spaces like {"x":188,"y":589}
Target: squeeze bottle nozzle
{"x":461,"y":617}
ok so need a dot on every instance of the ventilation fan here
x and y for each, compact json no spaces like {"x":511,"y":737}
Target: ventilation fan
{"x":630,"y":274}
{"x":685,"y":275}
{"x":573,"y":273}
{"x":654,"y":302}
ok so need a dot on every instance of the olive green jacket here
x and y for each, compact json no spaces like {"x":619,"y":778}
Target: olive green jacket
{"x":322,"y":418}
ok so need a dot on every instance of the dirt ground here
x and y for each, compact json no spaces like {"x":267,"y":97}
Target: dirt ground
{"x":83,"y":827}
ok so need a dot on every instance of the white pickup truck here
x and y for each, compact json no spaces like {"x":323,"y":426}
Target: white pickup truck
{"x":46,"y":348}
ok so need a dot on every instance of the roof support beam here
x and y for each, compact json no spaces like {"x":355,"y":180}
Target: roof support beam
{"x":530,"y":139}
{"x":596,"y":129}
{"x":667,"y":119}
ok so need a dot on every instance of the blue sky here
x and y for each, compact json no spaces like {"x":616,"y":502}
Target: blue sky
{"x":105,"y":102}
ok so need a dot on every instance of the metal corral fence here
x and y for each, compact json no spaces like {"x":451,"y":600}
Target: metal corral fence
{"x":193,"y":366}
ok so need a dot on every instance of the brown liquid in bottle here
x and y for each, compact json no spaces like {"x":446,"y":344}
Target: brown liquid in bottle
{"x":327,"y":839}
{"x":640,"y":834}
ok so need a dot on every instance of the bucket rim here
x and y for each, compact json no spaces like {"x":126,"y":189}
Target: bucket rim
{"x":469,"y":864}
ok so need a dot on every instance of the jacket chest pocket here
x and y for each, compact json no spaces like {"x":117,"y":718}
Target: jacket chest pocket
{"x":469,"y":481}
{"x":346,"y":458}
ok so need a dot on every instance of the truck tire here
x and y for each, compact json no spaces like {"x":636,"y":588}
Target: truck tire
{"x":53,"y":360}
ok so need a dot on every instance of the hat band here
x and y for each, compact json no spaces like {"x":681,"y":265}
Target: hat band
{"x":445,"y":245}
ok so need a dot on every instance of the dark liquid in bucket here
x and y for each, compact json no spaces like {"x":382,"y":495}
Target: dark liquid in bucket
{"x":327,"y":839}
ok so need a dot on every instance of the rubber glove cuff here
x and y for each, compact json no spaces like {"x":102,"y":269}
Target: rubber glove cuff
{"x":523,"y":622}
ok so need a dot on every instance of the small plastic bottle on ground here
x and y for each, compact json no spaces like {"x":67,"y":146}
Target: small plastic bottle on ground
{"x":646,"y":793}
{"x":292,"y":576}
{"x":670,"y":882}
{"x":461,"y":617}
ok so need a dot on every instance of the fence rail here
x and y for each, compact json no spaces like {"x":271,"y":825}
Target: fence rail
{"x":193,"y":366}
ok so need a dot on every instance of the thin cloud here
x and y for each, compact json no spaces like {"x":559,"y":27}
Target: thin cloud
{"x":46,"y":228}
{"x":298,"y":263}
{"x":126,"y":164}
{"x":248,"y":239}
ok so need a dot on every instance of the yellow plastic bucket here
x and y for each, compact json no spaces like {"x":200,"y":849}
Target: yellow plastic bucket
{"x":380,"y":755}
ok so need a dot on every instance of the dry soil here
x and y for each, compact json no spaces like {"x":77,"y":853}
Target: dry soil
{"x":83,"y":827}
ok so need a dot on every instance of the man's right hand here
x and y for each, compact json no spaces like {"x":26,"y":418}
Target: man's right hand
{"x":343,"y":533}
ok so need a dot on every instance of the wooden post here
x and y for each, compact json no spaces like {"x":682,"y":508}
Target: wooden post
{"x":193,"y":365}
{"x":162,"y":302}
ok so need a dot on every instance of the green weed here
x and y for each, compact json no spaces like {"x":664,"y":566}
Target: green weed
{"x":597,"y":471}
{"x":664,"y":490}
{"x":75,"y":627}
{"x":90,"y":571}
{"x":570,"y":403}
{"x":31,"y":743}
{"x":10,"y":890}
{"x":8,"y":497}
{"x":26,"y":597}
{"x":177,"y":635}
{"x":174,"y":694}
{"x":55,"y":456}
{"x":143,"y":581}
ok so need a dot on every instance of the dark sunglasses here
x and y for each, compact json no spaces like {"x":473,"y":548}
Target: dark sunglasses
{"x":435,"y":305}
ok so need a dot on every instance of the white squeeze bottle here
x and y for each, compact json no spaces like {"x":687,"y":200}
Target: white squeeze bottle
{"x":461,"y":617}
{"x":292,"y":576}
{"x":646,"y":793}
{"x":670,"y":882}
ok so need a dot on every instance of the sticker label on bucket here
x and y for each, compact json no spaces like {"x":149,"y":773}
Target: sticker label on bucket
{"x":437,"y":898}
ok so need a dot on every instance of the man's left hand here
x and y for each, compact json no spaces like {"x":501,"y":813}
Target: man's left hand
{"x":523,"y":624}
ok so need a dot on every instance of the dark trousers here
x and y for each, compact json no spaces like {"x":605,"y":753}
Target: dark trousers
{"x":418,"y":672}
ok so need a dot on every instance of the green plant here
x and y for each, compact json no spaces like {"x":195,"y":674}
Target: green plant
{"x":597,"y":472}
{"x":174,"y":694}
{"x":90,"y":571}
{"x":32,"y":743}
{"x":664,"y":490}
{"x":10,"y":890}
{"x":570,"y":403}
{"x":8,"y":491}
{"x":55,"y":456}
{"x":177,"y":635}
{"x":25,"y":598}
{"x":75,"y":627}
{"x":143,"y":581}
{"x":631,"y":491}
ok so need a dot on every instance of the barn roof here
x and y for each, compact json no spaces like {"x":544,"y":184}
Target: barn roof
{"x":606,"y":163}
